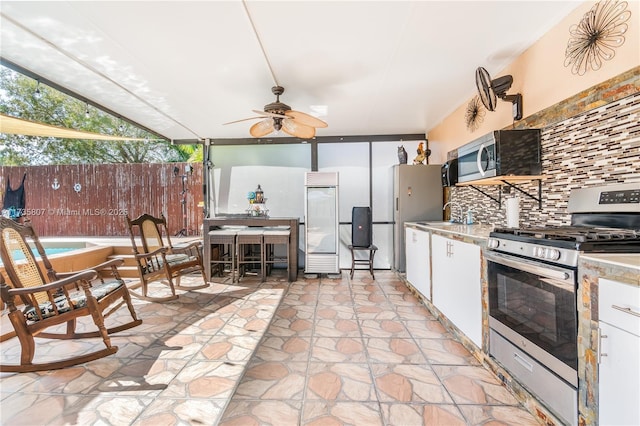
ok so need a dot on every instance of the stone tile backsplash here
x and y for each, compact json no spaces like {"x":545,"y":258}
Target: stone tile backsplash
{"x":596,"y":147}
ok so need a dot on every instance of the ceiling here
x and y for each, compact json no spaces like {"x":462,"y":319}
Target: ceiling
{"x":184,"y":68}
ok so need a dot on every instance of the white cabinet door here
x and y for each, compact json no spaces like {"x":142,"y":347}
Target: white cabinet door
{"x":417,"y":258}
{"x":456,"y":285}
{"x":619,"y":368}
{"x":619,"y":387}
{"x":441,"y":273}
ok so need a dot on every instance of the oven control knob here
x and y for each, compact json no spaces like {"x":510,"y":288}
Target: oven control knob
{"x":552,"y":254}
{"x":493,"y":243}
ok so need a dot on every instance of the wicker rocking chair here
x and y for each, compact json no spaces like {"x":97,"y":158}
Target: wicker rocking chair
{"x":160,"y":261}
{"x":36,"y":304}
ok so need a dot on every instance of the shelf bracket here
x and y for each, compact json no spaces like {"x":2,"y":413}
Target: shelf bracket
{"x":497,"y":200}
{"x":538,"y":198}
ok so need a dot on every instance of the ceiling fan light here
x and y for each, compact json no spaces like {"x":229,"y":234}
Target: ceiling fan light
{"x":277,"y":124}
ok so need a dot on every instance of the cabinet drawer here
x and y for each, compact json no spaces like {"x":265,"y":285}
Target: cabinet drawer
{"x":619,"y":305}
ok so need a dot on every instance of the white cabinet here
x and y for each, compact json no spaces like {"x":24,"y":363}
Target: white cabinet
{"x":417,"y":258}
{"x":456,"y":284}
{"x":619,"y":366}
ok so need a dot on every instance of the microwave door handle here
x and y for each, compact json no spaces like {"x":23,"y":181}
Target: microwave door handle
{"x":527,"y":267}
{"x":479,"y":160}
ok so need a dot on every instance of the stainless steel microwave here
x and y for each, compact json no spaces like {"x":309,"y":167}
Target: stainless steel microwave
{"x":501,"y":153}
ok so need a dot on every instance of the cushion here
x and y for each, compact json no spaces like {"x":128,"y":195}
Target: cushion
{"x":77,"y":298}
{"x":177,"y":259}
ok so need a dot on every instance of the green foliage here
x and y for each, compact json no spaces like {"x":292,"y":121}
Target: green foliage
{"x":17,"y":99}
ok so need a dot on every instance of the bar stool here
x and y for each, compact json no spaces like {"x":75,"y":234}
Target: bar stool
{"x":224,"y":240}
{"x":250,"y":250}
{"x":273,"y":236}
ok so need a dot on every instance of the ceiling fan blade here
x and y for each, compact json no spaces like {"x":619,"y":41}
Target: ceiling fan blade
{"x":262,"y":128}
{"x":268,"y":114}
{"x":243,"y":119}
{"x":298,"y":130}
{"x":305,"y":119}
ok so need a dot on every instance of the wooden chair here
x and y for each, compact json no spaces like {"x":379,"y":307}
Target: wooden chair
{"x":162,"y":262}
{"x":63,"y":298}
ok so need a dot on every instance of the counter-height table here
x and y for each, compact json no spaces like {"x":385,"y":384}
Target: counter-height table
{"x":219,"y":221}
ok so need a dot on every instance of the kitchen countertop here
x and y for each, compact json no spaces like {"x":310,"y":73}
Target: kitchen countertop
{"x":475,"y":231}
{"x":626,"y":260}
{"x":623,"y":267}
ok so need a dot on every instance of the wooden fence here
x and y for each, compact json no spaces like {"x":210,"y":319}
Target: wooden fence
{"x":93,"y":199}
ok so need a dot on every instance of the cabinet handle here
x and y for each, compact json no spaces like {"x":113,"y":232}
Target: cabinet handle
{"x":599,"y":353}
{"x":449,"y":249}
{"x":626,"y":310}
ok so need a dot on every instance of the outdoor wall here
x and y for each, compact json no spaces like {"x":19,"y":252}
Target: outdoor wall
{"x":105,"y":195}
{"x":540,"y":76}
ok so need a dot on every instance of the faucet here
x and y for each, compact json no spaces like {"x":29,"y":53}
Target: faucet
{"x":452,"y":205}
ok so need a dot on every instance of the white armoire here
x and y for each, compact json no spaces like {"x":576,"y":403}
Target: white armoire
{"x":321,"y":223}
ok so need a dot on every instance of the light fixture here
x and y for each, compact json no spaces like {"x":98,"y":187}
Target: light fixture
{"x":37,"y":94}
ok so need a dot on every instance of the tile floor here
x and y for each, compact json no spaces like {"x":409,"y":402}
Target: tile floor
{"x":314,"y":352}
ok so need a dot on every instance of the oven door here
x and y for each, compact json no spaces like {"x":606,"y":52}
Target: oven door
{"x":533,"y":305}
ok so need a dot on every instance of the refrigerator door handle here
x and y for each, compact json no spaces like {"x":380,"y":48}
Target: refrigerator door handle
{"x":397,"y":203}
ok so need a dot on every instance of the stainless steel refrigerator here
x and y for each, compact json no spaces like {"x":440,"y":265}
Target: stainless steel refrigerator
{"x":417,"y":194}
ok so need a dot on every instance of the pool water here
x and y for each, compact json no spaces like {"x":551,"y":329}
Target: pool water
{"x":18,"y":255}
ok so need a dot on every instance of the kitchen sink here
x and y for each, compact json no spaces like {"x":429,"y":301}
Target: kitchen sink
{"x":440,"y":223}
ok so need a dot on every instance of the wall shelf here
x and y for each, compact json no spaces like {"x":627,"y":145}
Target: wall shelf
{"x":501,"y":180}
{"x":511,"y":182}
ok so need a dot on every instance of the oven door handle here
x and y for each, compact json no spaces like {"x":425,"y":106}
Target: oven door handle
{"x":524,"y":265}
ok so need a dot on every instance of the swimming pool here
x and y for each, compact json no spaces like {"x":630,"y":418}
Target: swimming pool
{"x":49,"y":251}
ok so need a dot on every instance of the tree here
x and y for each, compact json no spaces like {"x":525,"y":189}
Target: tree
{"x":52,"y":107}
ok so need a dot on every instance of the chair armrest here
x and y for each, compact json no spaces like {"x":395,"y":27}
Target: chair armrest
{"x":104,"y":265}
{"x":185,"y":248}
{"x":87,"y":275}
{"x":156,"y":252}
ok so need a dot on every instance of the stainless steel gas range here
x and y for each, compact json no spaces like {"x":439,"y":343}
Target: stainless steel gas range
{"x":532,"y":275}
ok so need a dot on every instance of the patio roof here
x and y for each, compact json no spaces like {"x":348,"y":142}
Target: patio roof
{"x":183,"y":69}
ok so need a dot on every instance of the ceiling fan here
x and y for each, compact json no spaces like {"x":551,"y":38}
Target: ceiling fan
{"x":277,"y":116}
{"x":489,"y":90}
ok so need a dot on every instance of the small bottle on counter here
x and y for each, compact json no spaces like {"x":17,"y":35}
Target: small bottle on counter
{"x":469,"y":217}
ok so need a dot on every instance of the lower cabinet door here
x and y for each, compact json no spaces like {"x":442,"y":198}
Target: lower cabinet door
{"x":619,"y":377}
{"x":417,"y":258}
{"x":457,"y":287}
